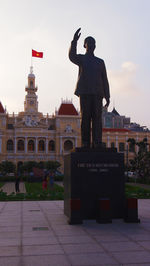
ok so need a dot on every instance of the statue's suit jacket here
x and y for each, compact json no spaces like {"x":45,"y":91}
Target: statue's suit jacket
{"x":92,"y":77}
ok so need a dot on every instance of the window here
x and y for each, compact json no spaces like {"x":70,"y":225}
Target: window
{"x":31,"y":145}
{"x":41,"y":145}
{"x":68,"y":145}
{"x":121,"y":147}
{"x":20,"y":145}
{"x":51,"y":127}
{"x":10,"y":145}
{"x":10,"y":126}
{"x":51,"y":145}
{"x":31,"y":84}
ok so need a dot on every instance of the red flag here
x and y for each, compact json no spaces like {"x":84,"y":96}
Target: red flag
{"x":37,"y":54}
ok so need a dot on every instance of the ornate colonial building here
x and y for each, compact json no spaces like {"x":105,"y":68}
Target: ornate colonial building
{"x":32,"y":136}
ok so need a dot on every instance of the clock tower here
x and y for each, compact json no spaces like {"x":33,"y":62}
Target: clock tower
{"x":31,"y":103}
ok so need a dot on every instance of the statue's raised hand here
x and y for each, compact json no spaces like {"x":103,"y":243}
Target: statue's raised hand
{"x":77,"y":35}
{"x":107,"y":102}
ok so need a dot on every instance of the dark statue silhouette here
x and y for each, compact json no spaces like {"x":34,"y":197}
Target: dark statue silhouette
{"x":92,"y":86}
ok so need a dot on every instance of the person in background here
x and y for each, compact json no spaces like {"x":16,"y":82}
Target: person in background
{"x":44,"y":184}
{"x":17,"y":184}
{"x":51,"y":179}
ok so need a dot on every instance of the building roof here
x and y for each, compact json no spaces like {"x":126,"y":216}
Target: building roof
{"x":67,"y":109}
{"x":114,"y":111}
{"x":1,"y":108}
{"x":116,"y":130}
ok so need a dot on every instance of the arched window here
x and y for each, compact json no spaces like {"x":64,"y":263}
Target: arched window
{"x":51,"y":145}
{"x":20,"y":145}
{"x":41,"y":145}
{"x":10,"y":145}
{"x":68,"y":145}
{"x":31,"y":145}
{"x":31,"y":84}
{"x":121,"y":147}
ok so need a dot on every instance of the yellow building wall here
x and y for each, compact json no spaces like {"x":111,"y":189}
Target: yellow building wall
{"x":66,"y":128}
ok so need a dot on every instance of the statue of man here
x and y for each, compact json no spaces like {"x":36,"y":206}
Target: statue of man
{"x":92,"y":86}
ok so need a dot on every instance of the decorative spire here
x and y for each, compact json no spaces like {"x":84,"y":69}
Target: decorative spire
{"x":113,"y":104}
{"x":31,"y":69}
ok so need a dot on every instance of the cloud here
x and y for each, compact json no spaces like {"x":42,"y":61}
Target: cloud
{"x":123,"y":81}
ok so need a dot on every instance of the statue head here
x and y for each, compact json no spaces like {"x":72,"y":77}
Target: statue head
{"x":89,"y":44}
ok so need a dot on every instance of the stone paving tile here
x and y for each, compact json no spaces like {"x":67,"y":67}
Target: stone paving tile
{"x":82,"y":248}
{"x":140,"y":237}
{"x":133,"y":257}
{"x":53,"y":260}
{"x":91,"y":259}
{"x":29,"y":227}
{"x":9,"y":242}
{"x":110,"y":244}
{"x":10,"y":261}
{"x":30,"y":224}
{"x":121,"y":246}
{"x":146,"y":225}
{"x":35,"y":234}
{"x":59,"y":220}
{"x":137,"y":264}
{"x":47,"y":240}
{"x":145,"y":244}
{"x":67,"y":227}
{"x":75,"y":239}
{"x":42,"y":250}
{"x":99,"y":231}
{"x":70,"y":232}
{"x":10,"y":229}
{"x":9,"y":251}
{"x":111,"y":238}
{"x":9,"y":235}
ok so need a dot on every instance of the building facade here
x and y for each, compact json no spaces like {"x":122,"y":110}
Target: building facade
{"x":32,"y":136}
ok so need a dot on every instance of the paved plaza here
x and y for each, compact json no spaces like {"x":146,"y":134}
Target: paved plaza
{"x":37,"y":233}
{"x":9,"y":187}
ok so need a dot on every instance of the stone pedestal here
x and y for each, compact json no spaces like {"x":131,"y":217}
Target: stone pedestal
{"x":89,"y":176}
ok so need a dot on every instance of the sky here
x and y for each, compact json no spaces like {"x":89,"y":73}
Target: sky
{"x":121,"y":30}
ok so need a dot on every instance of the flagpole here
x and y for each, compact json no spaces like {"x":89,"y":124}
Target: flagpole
{"x":31,"y":59}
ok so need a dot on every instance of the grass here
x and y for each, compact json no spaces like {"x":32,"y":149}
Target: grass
{"x":34,"y":191}
{"x":137,"y":192}
{"x":37,"y":188}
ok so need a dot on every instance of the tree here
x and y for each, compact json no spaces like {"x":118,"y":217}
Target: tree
{"x":28,"y":166}
{"x":141,"y":161}
{"x":52,"y":165}
{"x":132,"y":144}
{"x":40,"y":165}
{"x":7,"y":167}
{"x":48,"y":165}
